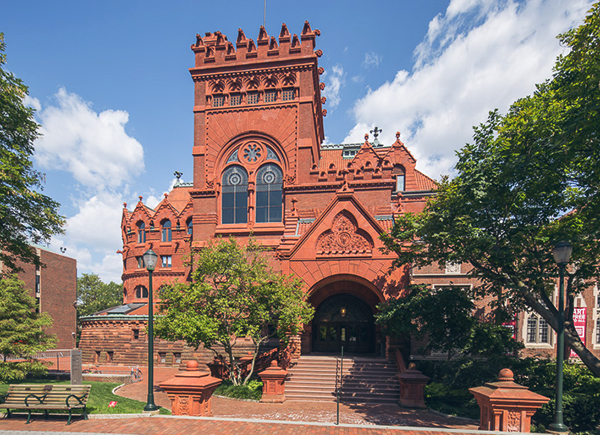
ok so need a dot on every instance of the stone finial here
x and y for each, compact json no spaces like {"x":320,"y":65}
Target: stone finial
{"x":323,"y":100}
{"x":319,"y":53}
{"x":140,"y":197}
{"x":397,"y":135}
{"x":192,"y":366}
{"x":506,"y":375}
{"x":366,"y":137}
{"x":124,"y":205}
{"x":322,"y":86}
{"x":165,"y":195}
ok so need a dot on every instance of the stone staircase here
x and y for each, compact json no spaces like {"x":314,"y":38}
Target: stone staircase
{"x":365,"y":380}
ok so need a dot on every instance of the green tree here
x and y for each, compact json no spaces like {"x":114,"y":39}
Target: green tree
{"x":529,"y":180}
{"x":234,"y":294}
{"x":445,"y":317}
{"x":93,"y":295}
{"x":21,"y":331}
{"x":26,"y":215}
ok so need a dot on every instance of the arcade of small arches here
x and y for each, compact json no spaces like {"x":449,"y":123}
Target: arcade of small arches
{"x":166,"y":230}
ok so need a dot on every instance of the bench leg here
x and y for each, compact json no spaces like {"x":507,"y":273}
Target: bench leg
{"x":85,"y":415}
{"x":8,"y":414}
{"x":28,"y":416}
{"x":46,"y":414}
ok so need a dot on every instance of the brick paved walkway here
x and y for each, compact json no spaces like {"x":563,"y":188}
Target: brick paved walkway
{"x":249,"y":418}
{"x":321,"y":412}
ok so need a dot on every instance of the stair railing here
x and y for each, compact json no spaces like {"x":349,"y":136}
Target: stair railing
{"x":339,"y":373}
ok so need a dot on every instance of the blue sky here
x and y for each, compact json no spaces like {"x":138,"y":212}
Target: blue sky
{"x":113,"y":94}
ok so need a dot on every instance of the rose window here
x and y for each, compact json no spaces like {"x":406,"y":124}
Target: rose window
{"x":252,"y":152}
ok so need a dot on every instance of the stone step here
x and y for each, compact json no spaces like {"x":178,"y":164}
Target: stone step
{"x":365,"y":379}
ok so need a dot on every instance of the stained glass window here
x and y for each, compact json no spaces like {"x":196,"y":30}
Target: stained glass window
{"x":269,"y":194}
{"x":234,"y":198}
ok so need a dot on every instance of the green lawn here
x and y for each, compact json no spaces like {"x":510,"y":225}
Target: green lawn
{"x":100,"y":396}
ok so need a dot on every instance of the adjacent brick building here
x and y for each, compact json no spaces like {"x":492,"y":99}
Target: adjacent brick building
{"x":54,"y":286}
{"x":261,"y":169}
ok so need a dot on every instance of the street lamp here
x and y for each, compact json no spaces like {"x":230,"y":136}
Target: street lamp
{"x":562,"y":253}
{"x":150,"y":258}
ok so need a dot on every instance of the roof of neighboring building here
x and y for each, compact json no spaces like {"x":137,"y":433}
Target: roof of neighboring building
{"x":119,"y":310}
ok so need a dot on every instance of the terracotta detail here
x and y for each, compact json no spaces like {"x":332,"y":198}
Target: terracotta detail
{"x":190,"y":391}
{"x":506,"y":406}
{"x":273,"y":384}
{"x":343,"y":239}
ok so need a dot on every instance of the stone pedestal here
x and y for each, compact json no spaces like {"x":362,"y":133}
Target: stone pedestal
{"x":273,"y":384}
{"x":506,"y":406}
{"x":190,"y":391}
{"x":412,"y":388}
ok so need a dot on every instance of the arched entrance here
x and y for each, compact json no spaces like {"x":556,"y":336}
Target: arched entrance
{"x":343,"y":320}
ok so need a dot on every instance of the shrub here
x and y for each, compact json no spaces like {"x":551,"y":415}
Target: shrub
{"x":251,"y":391}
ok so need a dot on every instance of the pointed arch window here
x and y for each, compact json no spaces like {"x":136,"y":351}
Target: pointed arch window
{"x":167,"y":236}
{"x":141,"y":232}
{"x":190,"y":227}
{"x":269,"y":193}
{"x":234,"y":199}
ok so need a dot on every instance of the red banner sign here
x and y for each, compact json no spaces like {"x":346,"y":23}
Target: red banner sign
{"x":579,"y":320}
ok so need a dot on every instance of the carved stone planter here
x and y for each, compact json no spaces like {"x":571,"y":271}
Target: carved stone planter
{"x":273,"y":384}
{"x":190,"y":391}
{"x":506,"y":406}
{"x":412,"y":388}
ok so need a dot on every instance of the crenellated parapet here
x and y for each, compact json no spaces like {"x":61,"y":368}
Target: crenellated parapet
{"x":216,"y":49}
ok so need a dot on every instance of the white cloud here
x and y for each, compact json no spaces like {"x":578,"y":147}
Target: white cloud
{"x":372,"y":60}
{"x":93,"y":147}
{"x":334,"y":82}
{"x":479,"y":56}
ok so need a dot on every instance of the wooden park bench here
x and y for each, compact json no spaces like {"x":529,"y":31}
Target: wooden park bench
{"x":45,"y":397}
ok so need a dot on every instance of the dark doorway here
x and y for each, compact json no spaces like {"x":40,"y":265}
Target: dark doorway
{"x":343,"y":320}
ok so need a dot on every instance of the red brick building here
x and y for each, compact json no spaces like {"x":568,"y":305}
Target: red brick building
{"x":261,"y":168}
{"x":55,"y":289}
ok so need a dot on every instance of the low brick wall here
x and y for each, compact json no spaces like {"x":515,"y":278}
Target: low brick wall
{"x":108,"y":377}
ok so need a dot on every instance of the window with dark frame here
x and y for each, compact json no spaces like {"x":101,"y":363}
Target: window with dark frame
{"x":252,"y":97}
{"x":269,"y":194}
{"x":234,"y":198}
{"x":218,"y":101}
{"x":235,"y":99}
{"x":136,"y":334}
{"x":140,"y":262}
{"x":190,"y":227}
{"x":288,"y":94}
{"x":270,"y":96}
{"x":166,"y":260}
{"x":141,"y":292}
{"x":166,"y":231}
{"x":141,"y":232}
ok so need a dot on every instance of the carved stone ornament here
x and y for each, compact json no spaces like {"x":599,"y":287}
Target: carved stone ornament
{"x":343,"y":238}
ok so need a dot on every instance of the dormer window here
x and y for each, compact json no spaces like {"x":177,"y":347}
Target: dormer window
{"x":166,"y":231}
{"x":141,"y":232}
{"x":399,"y":172}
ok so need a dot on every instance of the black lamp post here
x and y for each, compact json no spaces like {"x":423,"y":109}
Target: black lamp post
{"x":562,"y":253}
{"x":150,"y":258}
